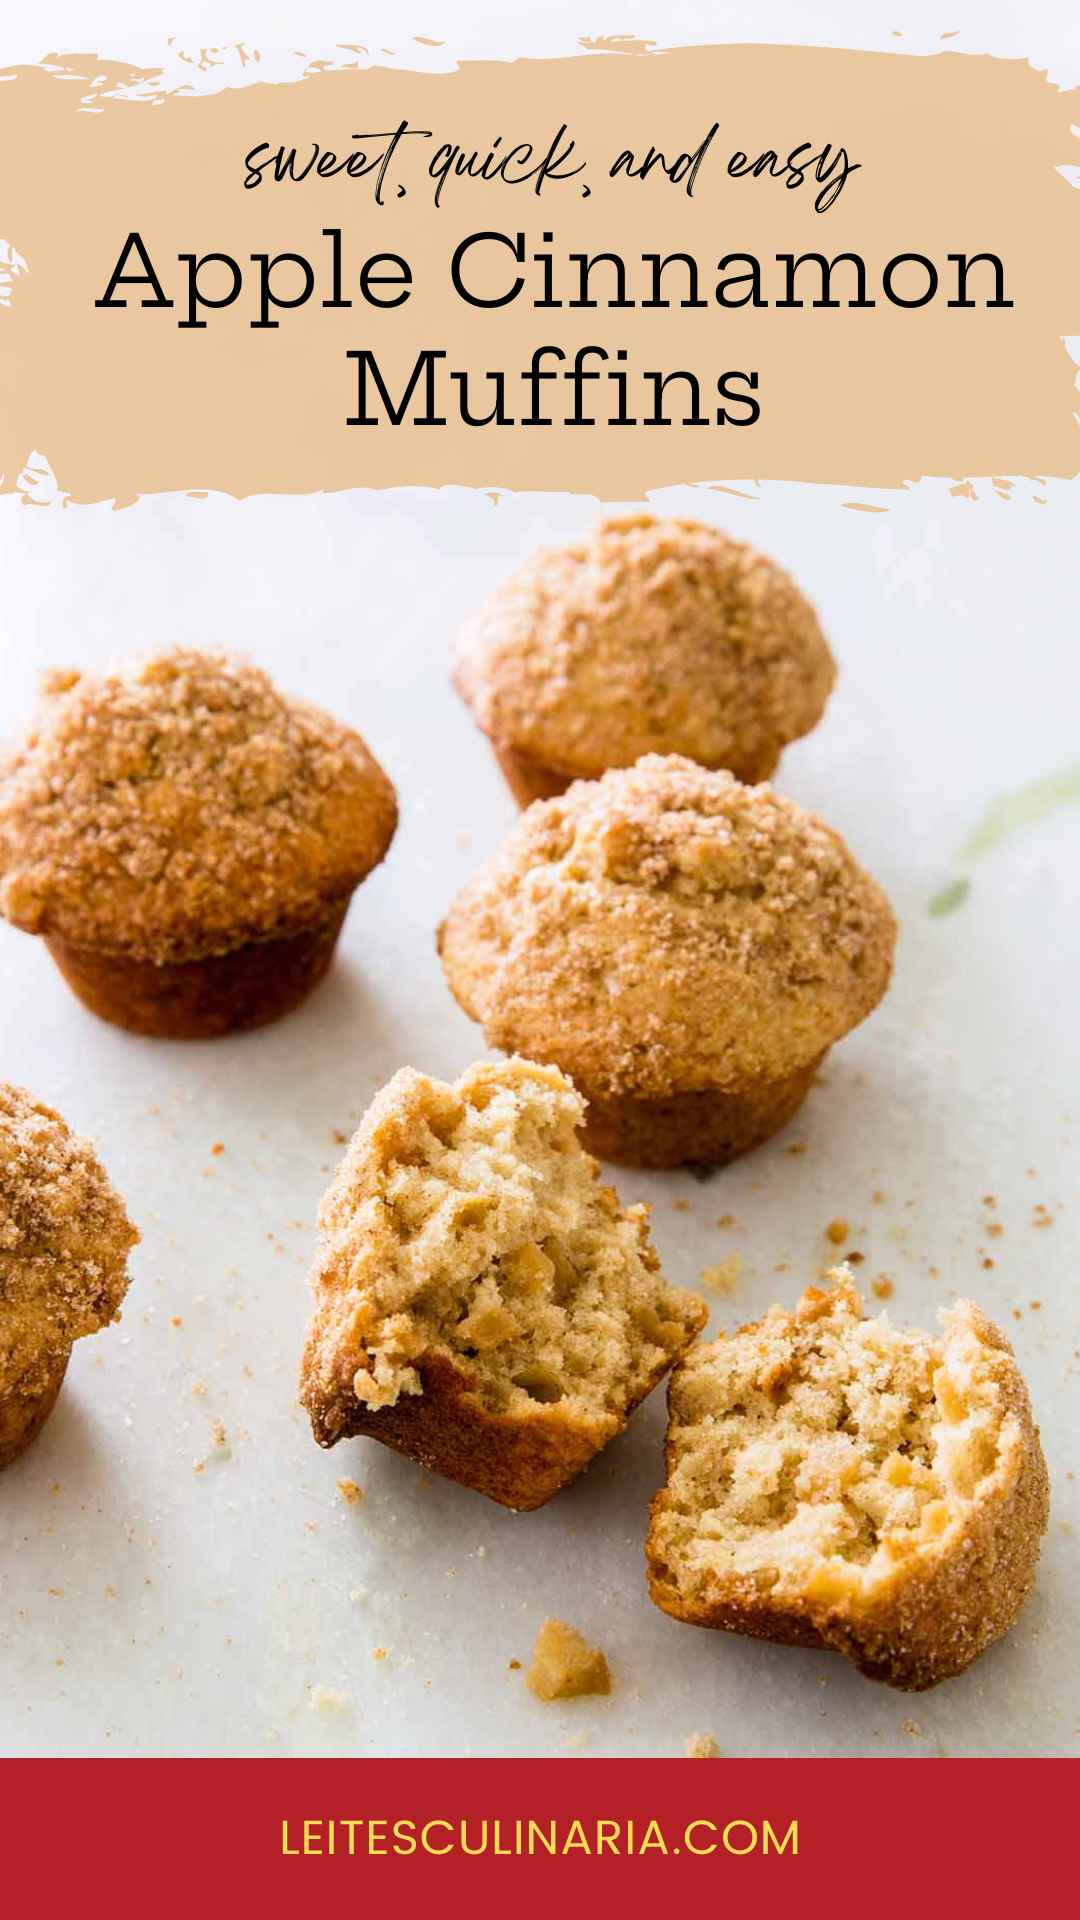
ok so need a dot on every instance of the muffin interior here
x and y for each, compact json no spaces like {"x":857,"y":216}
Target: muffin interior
{"x":814,"y":1451}
{"x":489,"y":1240}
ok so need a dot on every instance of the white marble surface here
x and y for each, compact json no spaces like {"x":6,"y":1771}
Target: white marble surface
{"x":146,"y":1607}
{"x":150,"y":1608}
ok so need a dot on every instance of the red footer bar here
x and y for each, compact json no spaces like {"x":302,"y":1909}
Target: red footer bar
{"x":200,"y":1837}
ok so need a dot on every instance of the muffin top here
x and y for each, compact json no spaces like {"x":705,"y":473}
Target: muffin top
{"x":651,"y":636}
{"x":666,"y":929}
{"x":180,"y":806}
{"x":64,"y":1241}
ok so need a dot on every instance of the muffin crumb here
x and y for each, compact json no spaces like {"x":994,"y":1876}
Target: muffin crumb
{"x":564,"y":1666}
{"x":722,"y":1278}
{"x":328,"y":1700}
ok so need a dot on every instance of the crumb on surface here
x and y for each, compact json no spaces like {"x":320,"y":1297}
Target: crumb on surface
{"x":350,"y":1491}
{"x":837,"y":1231}
{"x":882,"y":1288}
{"x":701,"y":1746}
{"x":328,"y":1700}
{"x":722,"y":1277}
{"x":564,"y":1666}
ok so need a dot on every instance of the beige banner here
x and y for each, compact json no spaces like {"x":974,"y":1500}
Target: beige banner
{"x":708,"y":348}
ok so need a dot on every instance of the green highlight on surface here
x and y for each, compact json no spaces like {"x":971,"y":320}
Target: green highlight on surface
{"x":1004,"y":817}
{"x":1021,"y":809}
{"x":949,"y":898}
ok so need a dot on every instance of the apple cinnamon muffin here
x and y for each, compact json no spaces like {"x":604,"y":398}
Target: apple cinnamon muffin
{"x":686,"y":948}
{"x":64,"y":1241}
{"x":649,"y":636}
{"x":482,"y":1303}
{"x":186,"y":839}
{"x":841,"y":1482}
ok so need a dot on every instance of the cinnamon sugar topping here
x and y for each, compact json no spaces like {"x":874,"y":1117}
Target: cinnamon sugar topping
{"x":64,"y":1241}
{"x":181,"y":806}
{"x":667,"y":928}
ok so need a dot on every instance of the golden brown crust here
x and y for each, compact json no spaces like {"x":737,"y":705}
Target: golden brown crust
{"x":949,"y":1595}
{"x":693,"y":1129}
{"x":482,"y":1304}
{"x":64,"y":1242}
{"x":667,"y":930}
{"x":180,"y":807}
{"x":649,"y":636}
{"x":527,"y":779}
{"x":519,"y":1460}
{"x":196,"y":999}
{"x":22,"y":1415}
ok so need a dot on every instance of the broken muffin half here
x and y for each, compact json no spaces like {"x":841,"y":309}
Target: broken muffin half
{"x":483,"y":1304}
{"x":841,"y":1482}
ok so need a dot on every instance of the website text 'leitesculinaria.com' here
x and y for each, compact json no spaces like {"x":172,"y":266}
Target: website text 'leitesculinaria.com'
{"x":476,"y":1836}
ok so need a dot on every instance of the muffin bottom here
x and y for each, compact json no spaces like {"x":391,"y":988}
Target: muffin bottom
{"x":693,"y":1129}
{"x":520,"y":1460}
{"x":196,"y":999}
{"x":22,"y":1415}
{"x":530,"y":780}
{"x":517,"y":1461}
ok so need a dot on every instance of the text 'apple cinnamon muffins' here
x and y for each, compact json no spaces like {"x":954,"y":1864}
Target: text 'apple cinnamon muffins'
{"x":64,"y":1241}
{"x":482,"y":1303}
{"x":686,"y":948}
{"x":649,"y":636}
{"x":186,"y":838}
{"x":844,"y":1483}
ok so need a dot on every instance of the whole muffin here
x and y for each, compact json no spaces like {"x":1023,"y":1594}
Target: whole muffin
{"x":482,"y":1303}
{"x":686,"y":948}
{"x":651,"y":636}
{"x":841,"y":1482}
{"x":64,"y":1241}
{"x":187,"y":840}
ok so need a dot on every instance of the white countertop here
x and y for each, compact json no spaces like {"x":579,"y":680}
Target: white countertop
{"x":147,"y":1607}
